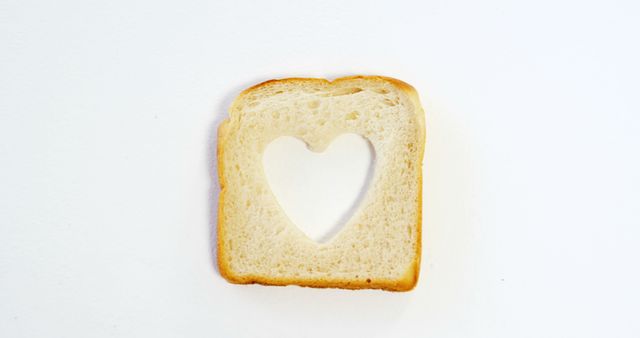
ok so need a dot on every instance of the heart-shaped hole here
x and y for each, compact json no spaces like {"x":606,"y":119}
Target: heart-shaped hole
{"x":319,"y":192}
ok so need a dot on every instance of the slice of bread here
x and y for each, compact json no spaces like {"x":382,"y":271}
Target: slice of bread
{"x":379,"y":247}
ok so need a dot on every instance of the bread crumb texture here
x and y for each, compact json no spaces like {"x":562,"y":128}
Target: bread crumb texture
{"x":379,"y":247}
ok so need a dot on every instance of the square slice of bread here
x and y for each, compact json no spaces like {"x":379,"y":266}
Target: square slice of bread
{"x":379,"y":247}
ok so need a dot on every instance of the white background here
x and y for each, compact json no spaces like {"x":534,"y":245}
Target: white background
{"x":108,"y":116}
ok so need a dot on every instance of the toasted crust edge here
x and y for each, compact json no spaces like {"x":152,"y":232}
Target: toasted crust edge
{"x":406,"y":283}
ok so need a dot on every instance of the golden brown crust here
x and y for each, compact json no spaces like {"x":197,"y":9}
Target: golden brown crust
{"x":409,"y":279}
{"x":405,"y":284}
{"x":222,"y":266}
{"x":407,"y":88}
